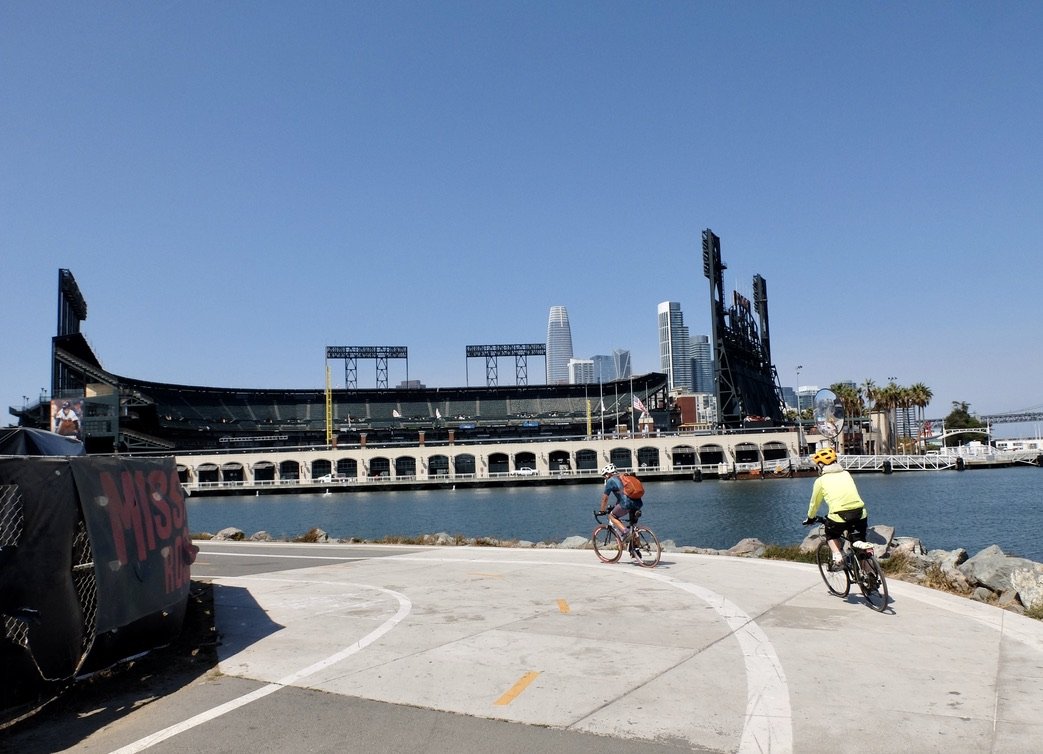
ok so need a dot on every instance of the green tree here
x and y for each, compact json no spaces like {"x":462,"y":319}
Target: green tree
{"x":960,"y":418}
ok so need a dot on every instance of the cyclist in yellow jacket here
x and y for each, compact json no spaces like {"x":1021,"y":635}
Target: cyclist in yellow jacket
{"x":836,"y":487}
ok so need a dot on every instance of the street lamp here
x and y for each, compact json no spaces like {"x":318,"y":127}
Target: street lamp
{"x":894,"y":415}
{"x":800,"y":423}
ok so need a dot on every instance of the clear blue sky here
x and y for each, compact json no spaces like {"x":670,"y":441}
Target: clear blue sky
{"x":236,"y":185}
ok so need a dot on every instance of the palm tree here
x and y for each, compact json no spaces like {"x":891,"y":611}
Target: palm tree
{"x":851,"y":399}
{"x":869,"y":391}
{"x":921,"y":397}
{"x":905,"y":402}
{"x":888,"y":398}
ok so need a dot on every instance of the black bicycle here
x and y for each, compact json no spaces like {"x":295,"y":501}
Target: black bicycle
{"x":860,"y":566}
{"x":640,"y":541}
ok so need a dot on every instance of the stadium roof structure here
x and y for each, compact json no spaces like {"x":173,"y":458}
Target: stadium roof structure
{"x":127,"y":414}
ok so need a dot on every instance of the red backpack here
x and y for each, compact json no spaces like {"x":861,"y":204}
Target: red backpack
{"x":632,"y":486}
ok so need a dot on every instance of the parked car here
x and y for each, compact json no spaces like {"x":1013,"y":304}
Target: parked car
{"x":524,"y":471}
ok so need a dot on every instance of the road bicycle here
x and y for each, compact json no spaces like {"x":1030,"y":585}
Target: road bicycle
{"x":860,"y":567}
{"x":640,"y":541}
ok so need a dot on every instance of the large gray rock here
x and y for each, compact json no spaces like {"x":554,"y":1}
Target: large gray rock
{"x":812,"y":540}
{"x":880,"y":537}
{"x":231,"y":533}
{"x":910,"y":546}
{"x":1028,"y":583}
{"x":982,"y":594}
{"x":747,"y":548}
{"x":575,"y":542}
{"x":993,"y":568}
{"x":948,"y":563}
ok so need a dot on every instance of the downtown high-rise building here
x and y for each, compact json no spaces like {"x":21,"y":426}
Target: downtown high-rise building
{"x":621,"y":359}
{"x":614,"y":366}
{"x":604,"y":368}
{"x":702,"y":364}
{"x":559,"y":346}
{"x":581,"y":371}
{"x":675,"y":357}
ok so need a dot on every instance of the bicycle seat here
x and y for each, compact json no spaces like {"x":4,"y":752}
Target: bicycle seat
{"x":862,"y":545}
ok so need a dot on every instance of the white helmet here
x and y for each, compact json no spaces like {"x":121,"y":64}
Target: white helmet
{"x":610,"y":469}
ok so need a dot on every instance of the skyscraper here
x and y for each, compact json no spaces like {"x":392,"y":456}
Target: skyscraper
{"x":675,"y":356}
{"x":621,"y":357}
{"x":559,"y":346}
{"x":612,"y":367}
{"x":604,"y":368}
{"x":581,"y":371}
{"x":702,"y":364}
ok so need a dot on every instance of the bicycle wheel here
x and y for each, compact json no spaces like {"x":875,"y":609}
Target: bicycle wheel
{"x":646,"y":545}
{"x":872,"y":583}
{"x":837,"y":582}
{"x":607,"y":544}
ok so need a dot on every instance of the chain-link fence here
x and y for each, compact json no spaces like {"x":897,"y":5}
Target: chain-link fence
{"x":16,"y":626}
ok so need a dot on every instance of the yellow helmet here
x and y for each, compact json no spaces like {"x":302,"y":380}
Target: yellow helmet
{"x":825,"y":456}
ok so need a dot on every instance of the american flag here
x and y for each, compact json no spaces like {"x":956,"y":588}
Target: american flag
{"x":639,"y":405}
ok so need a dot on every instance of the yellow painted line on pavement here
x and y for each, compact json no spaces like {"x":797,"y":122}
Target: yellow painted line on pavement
{"x":563,"y":606}
{"x":517,"y":688}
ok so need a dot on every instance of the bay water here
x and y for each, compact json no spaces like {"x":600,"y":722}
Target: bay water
{"x":945,"y":510}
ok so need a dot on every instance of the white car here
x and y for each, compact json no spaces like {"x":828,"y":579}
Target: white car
{"x":524,"y":471}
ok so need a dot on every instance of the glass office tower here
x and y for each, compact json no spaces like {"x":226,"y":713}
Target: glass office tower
{"x":702,"y":364}
{"x":559,"y":346}
{"x":675,"y":357}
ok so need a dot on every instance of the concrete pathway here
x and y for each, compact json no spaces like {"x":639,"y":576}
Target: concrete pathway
{"x":703,"y":653}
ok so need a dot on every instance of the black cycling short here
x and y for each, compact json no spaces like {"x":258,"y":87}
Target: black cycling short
{"x":855,"y":520}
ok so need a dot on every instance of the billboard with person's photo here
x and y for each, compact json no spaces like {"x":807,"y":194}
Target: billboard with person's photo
{"x":66,"y":417}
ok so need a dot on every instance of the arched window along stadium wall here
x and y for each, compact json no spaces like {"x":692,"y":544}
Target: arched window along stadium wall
{"x":711,"y":453}
{"x":586,"y":460}
{"x":438,"y":466}
{"x":405,"y":467}
{"x":747,"y":452}
{"x":559,"y":460}
{"x":465,"y":463}
{"x":524,"y":459}
{"x":683,"y":456}
{"x":647,"y":458}
{"x":264,"y":471}
{"x":380,"y":466}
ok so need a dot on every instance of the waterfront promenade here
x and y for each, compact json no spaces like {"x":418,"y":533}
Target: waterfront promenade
{"x":332,"y":648}
{"x":657,"y":456}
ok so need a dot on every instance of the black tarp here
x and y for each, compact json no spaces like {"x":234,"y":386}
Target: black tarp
{"x":24,"y":441}
{"x":94,"y":566}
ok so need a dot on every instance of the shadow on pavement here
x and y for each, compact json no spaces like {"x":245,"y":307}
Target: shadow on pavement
{"x":105,"y":697}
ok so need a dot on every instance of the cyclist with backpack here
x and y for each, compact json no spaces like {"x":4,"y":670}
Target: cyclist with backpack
{"x":628,"y":491}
